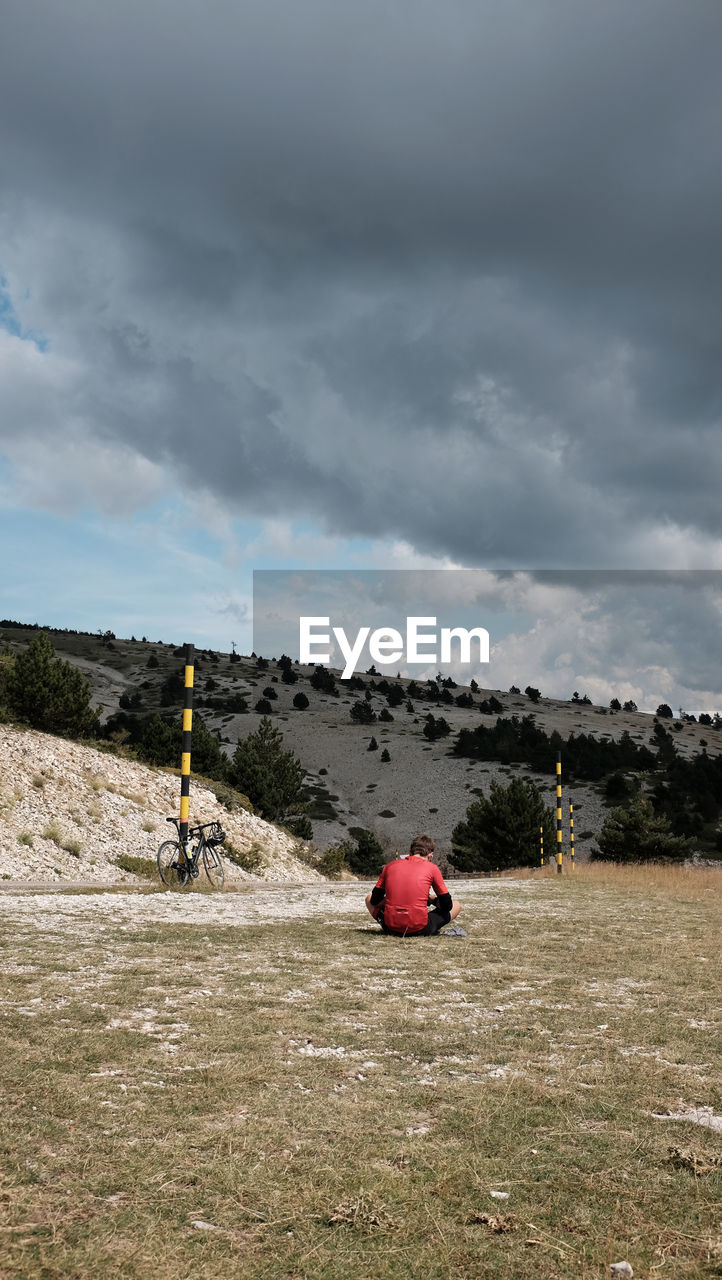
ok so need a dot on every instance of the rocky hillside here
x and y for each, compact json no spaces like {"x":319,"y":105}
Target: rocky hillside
{"x":421,"y":786}
{"x":72,"y":813}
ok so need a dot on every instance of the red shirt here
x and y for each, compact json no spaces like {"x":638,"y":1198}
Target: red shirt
{"x":406,"y":883}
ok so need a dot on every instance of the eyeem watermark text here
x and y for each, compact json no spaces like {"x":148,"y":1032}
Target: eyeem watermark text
{"x":387,"y":645}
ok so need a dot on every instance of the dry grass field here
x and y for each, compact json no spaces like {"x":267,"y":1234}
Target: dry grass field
{"x":192,"y":1092}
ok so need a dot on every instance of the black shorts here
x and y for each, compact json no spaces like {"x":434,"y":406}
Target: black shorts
{"x":438,"y":920}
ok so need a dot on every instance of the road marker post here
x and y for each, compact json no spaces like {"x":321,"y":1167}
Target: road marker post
{"x":559,"y":812}
{"x":186,"y":745}
{"x":571,"y":833}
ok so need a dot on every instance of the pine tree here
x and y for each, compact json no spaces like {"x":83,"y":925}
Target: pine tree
{"x":271,"y":777}
{"x":48,"y":693}
{"x":636,"y":834}
{"x":502,"y":830}
{"x":366,"y":857}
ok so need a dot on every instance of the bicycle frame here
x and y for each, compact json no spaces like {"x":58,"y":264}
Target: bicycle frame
{"x":195,"y":846}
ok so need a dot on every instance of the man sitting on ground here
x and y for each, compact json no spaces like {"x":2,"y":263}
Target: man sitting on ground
{"x":400,"y":901}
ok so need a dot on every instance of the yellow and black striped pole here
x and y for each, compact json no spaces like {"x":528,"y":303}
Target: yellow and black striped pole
{"x":559,"y":812}
{"x":186,"y":747}
{"x":541,"y":846}
{"x":571,"y":833}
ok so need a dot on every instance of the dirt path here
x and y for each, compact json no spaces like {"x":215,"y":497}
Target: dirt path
{"x":90,"y":913}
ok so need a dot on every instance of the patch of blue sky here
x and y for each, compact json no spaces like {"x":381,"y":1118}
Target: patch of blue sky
{"x":9,"y":320}
{"x":130,"y":577}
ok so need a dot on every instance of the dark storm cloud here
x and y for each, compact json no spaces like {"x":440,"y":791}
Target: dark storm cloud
{"x":443,"y":273}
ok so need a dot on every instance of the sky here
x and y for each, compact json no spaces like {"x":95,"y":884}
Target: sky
{"x":372,"y":286}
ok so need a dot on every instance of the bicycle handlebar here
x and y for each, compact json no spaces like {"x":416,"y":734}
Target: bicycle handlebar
{"x":193,"y":831}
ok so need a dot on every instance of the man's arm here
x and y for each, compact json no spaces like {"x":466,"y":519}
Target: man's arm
{"x":378,"y":893}
{"x":444,"y":900}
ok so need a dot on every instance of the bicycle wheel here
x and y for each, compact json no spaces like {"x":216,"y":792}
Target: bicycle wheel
{"x":171,"y":867}
{"x":213,"y":866}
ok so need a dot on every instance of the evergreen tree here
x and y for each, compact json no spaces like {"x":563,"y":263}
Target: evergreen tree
{"x":271,"y":777}
{"x":366,"y":856}
{"x":161,"y":743}
{"x":637,"y":834}
{"x":436,"y":727}
{"x":300,"y":702}
{"x":363,"y":713}
{"x":49,"y":694}
{"x":324,"y":681}
{"x":502,"y":830}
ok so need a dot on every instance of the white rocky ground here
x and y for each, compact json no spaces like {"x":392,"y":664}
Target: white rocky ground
{"x":55,"y":793}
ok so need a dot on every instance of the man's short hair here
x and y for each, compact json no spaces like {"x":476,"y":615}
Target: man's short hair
{"x":422,"y":845}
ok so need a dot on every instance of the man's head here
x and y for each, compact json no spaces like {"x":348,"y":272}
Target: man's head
{"x":422,"y":846}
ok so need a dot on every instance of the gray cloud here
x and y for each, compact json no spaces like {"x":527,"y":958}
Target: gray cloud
{"x":450,"y":275}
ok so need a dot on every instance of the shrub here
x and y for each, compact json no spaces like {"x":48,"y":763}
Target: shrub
{"x":436,"y":728}
{"x":664,"y":711}
{"x":300,"y":702}
{"x":300,"y":826}
{"x":618,"y":788}
{"x":271,"y":777}
{"x":385,"y":715}
{"x":270,"y":692}
{"x":532,"y":694}
{"x":636,"y":834}
{"x":502,"y":830}
{"x":49,"y":694}
{"x":490,"y":706}
{"x":365,"y":856}
{"x":385,"y":757}
{"x":172,"y":690}
{"x":138,"y":866}
{"x":160,"y":743}
{"x":263,"y":707}
{"x":363,"y":713}
{"x":323,"y":681}
{"x":373,"y":745}
{"x":250,"y":860}
{"x":232,"y":800}
{"x":333,"y":863}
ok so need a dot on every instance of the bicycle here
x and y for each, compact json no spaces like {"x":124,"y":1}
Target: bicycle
{"x":178,"y":863}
